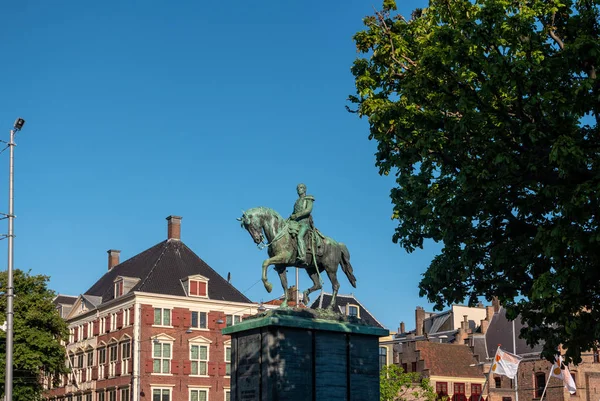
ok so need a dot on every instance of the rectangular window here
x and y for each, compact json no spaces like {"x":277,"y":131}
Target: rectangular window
{"x":405,"y":368}
{"x":126,"y":350}
{"x":497,"y":382}
{"x":227,"y":395}
{"x":382,"y":357}
{"x":125,"y":394}
{"x":441,"y":388}
{"x":113,"y":353}
{"x":352,"y":310}
{"x":88,"y":397}
{"x":227,"y":361}
{"x":228,"y":320}
{"x":198,"y":395}
{"x":162,"y":317}
{"x":199,"y":320}
{"x":118,"y":288}
{"x":199,"y":359}
{"x":126,"y":317}
{"x":112,"y":395}
{"x":459,"y":392}
{"x":161,"y":394}
{"x":506,"y":398}
{"x":540,"y":383}
{"x":162,"y":358}
{"x":100,"y":395}
{"x":113,"y":322}
{"x":413,"y":366}
{"x":475,"y":389}
{"x":101,"y":356}
{"x":79,"y":361}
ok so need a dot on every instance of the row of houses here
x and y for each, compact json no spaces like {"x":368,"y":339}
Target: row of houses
{"x":150,"y":328}
{"x":455,"y":348}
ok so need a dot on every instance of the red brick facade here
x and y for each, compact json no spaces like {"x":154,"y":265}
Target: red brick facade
{"x":112,"y":374}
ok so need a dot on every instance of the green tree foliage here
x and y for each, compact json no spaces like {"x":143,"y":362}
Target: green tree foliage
{"x":38,"y":329}
{"x":487,"y":112}
{"x":395,"y":385}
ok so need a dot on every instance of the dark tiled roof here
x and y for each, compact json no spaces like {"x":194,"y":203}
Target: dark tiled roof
{"x":452,"y":360}
{"x":341,"y":301}
{"x":500,"y":331}
{"x":160,"y":270}
{"x":64,"y":299}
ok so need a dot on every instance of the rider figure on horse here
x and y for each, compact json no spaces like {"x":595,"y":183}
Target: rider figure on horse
{"x":302,"y":215}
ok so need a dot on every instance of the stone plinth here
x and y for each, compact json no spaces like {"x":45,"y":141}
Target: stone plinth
{"x":297,"y":355}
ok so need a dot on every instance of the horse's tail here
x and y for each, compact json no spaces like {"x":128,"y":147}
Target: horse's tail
{"x":346,"y":266}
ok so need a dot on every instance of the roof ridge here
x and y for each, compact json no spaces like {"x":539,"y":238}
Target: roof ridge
{"x":153,"y":267}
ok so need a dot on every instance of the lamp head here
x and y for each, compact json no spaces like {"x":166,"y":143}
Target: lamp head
{"x":19,"y":123}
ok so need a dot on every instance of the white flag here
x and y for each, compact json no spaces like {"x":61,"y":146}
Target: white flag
{"x":560,"y":371}
{"x":505,"y":364}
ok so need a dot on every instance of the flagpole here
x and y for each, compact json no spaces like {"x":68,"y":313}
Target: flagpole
{"x":546,"y":386}
{"x":487,"y":378}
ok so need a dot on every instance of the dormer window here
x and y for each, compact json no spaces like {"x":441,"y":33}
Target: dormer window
{"x":352,"y":310}
{"x":124,"y":284}
{"x":196,"y":286}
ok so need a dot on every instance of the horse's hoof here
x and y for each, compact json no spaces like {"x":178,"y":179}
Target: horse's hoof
{"x":269,"y":287}
{"x":305,"y":299}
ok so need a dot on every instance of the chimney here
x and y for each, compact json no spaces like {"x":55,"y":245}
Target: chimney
{"x":113,"y":258}
{"x":496,"y":304}
{"x":484,"y":325}
{"x":174,"y":227}
{"x":489,"y":313}
{"x":465,"y":323}
{"x":402,"y":328}
{"x":419,"y":320}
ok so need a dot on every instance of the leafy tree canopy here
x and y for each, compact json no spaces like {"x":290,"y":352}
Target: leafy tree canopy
{"x":396,"y":385}
{"x":38,"y":329}
{"x":487,"y":113}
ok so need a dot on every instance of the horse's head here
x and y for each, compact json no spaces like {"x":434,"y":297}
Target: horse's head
{"x":251,"y":222}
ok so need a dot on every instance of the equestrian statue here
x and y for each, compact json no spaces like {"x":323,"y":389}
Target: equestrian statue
{"x":295,"y":242}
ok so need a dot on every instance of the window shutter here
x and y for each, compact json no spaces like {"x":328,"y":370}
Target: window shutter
{"x":212,"y":320}
{"x":83,"y":376}
{"x":106,"y":370}
{"x":211,"y":368}
{"x":118,"y":369}
{"x":95,"y":373}
{"x":130,"y":365}
{"x":119,"y":319}
{"x":75,"y":333}
{"x":193,"y":287}
{"x":187,"y":318}
{"x":107,"y":325}
{"x":149,"y":366}
{"x":84,"y":335}
{"x":186,"y":368}
{"x":222,"y":369}
{"x":96,"y":327}
{"x":174,"y":367}
{"x":148,"y":316}
{"x":175,"y":318}
{"x":132,"y":315}
{"x":202,"y":289}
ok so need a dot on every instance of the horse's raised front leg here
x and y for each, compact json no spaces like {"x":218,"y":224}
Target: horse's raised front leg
{"x":277,"y":259}
{"x":282,"y":271}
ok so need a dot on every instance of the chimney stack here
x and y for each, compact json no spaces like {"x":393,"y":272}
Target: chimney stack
{"x":484,"y":325}
{"x":419,"y":320}
{"x":489,"y":313}
{"x":113,"y":258}
{"x":496,"y":304}
{"x":402,"y":328}
{"x":174,"y":227}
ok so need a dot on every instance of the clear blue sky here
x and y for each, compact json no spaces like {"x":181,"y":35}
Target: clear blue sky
{"x":140,"y":109}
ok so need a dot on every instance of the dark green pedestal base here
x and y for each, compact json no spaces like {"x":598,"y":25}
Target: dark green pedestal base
{"x":292,"y":356}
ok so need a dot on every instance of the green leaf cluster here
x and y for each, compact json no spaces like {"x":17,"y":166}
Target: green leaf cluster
{"x":487,"y":113}
{"x":38,"y":331}
{"x":397,"y":385}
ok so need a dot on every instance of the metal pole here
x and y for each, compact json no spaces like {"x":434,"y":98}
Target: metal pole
{"x":515,"y":352}
{"x":297,"y":289}
{"x":8,"y":384}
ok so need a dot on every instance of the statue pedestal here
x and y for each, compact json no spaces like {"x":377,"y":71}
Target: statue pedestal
{"x":291,"y":355}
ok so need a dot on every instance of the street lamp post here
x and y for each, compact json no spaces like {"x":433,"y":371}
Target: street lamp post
{"x":8,"y":383}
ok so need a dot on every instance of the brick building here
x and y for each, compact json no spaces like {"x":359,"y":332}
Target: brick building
{"x":150,"y":329}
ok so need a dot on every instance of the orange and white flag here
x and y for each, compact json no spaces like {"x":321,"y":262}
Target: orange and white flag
{"x":561,"y":371}
{"x":505,"y":364}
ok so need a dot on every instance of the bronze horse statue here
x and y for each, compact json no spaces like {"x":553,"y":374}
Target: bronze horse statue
{"x":264,"y":222}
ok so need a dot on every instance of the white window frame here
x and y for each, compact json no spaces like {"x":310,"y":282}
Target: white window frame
{"x":123,"y":389}
{"x":109,"y":392}
{"x":112,"y":363}
{"x":127,"y":317}
{"x":227,"y":345}
{"x":161,"y":340}
{"x":162,"y":317}
{"x":233,"y":317}
{"x":226,"y":391}
{"x":199,"y":341}
{"x":126,"y":340}
{"x":348,"y":306}
{"x":199,"y":314}
{"x":113,"y":321}
{"x":161,"y":389}
{"x":205,"y":389}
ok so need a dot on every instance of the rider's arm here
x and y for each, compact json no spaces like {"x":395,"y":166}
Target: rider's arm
{"x":307,"y":211}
